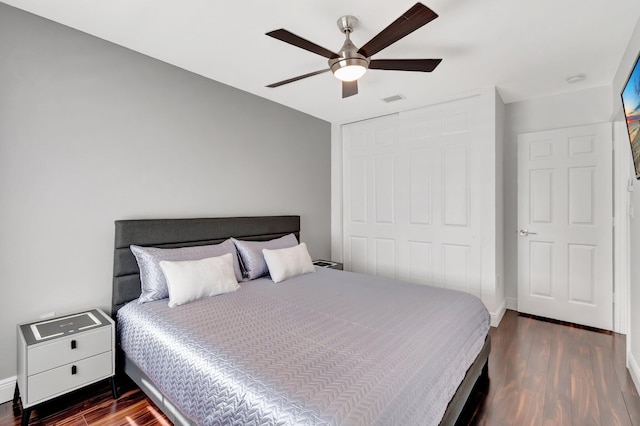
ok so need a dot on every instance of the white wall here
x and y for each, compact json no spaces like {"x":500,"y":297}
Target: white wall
{"x":91,"y":132}
{"x":587,"y":106}
{"x":633,"y":337}
{"x":336,"y":193}
{"x":490,"y":160}
{"x":499,"y":191}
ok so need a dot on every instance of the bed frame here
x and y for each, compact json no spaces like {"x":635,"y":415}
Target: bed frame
{"x":171,"y":233}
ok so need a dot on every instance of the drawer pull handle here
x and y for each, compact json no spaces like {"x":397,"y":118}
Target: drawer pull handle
{"x":74,"y":369}
{"x":73,"y":344}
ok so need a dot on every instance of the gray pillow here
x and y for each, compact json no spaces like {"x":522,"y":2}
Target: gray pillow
{"x":154,"y":284}
{"x":251,"y":255}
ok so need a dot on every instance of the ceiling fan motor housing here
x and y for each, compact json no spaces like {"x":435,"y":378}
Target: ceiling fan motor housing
{"x":348,"y":53}
{"x":349,"y":56}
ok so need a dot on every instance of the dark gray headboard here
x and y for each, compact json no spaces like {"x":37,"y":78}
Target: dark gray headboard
{"x":182,"y":233}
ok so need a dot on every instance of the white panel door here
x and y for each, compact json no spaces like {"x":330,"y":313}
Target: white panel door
{"x":370,"y":168}
{"x":410,"y":209}
{"x":565,"y":260}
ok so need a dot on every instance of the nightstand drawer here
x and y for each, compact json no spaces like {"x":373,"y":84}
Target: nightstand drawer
{"x":63,"y":351}
{"x":61,"y":379}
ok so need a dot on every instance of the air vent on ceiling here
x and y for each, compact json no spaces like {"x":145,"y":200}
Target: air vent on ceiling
{"x":394,"y":98}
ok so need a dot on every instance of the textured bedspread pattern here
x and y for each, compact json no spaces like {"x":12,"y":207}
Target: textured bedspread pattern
{"x":330,"y":347}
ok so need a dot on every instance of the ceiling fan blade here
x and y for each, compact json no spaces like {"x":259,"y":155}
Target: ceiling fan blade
{"x":410,"y":21}
{"x":424,"y":65}
{"x":291,"y":38}
{"x":300,"y":77}
{"x":349,"y":88}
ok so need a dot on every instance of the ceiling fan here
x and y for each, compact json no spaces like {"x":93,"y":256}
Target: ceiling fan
{"x":350,"y":63}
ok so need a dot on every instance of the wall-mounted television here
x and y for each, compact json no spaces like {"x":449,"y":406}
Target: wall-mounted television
{"x":631,"y":105}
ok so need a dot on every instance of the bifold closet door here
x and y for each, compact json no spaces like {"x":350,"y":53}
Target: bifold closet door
{"x":411,"y":207}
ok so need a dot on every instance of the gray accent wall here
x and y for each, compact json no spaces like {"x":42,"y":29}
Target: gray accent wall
{"x":91,"y":132}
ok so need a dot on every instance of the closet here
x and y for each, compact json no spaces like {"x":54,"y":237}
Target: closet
{"x":422,"y":196}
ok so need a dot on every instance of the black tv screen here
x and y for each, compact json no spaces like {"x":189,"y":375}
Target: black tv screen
{"x":631,"y":105}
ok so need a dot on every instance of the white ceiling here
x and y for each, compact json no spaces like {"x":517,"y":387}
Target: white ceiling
{"x":525,"y":48}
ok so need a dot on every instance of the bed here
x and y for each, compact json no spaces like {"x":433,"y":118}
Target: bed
{"x":329,"y":347}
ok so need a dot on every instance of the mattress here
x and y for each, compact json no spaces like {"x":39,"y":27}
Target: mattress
{"x":326,"y":348}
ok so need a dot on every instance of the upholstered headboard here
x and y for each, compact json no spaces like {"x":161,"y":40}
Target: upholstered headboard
{"x":170,"y":233}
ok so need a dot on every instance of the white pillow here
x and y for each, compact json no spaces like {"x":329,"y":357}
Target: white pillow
{"x":288,"y":262}
{"x":191,"y":280}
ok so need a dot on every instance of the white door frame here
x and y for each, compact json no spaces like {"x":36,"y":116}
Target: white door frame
{"x":566,"y":180}
{"x":622,"y":183}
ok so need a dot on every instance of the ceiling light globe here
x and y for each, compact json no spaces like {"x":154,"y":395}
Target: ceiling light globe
{"x":350,"y":72}
{"x":349,"y":68}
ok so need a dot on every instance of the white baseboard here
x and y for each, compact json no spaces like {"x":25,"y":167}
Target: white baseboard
{"x":496,"y":316}
{"x":634,"y":369}
{"x":512,"y":304}
{"x":7,"y":387}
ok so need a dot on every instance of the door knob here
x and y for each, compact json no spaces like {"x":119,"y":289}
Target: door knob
{"x":526,"y":232}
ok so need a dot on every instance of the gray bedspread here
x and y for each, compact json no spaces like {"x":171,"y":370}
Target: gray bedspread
{"x":330,"y":347}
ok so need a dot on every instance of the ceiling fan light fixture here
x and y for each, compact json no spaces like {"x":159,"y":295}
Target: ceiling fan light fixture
{"x":350,"y":73}
{"x":349,"y":69}
{"x":350,"y":62}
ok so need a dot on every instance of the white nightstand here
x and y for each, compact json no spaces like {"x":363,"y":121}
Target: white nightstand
{"x":58,"y":355}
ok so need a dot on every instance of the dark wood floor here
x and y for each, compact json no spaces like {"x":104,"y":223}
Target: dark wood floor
{"x":540,"y":374}
{"x":93,"y":405}
{"x":543,"y":373}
